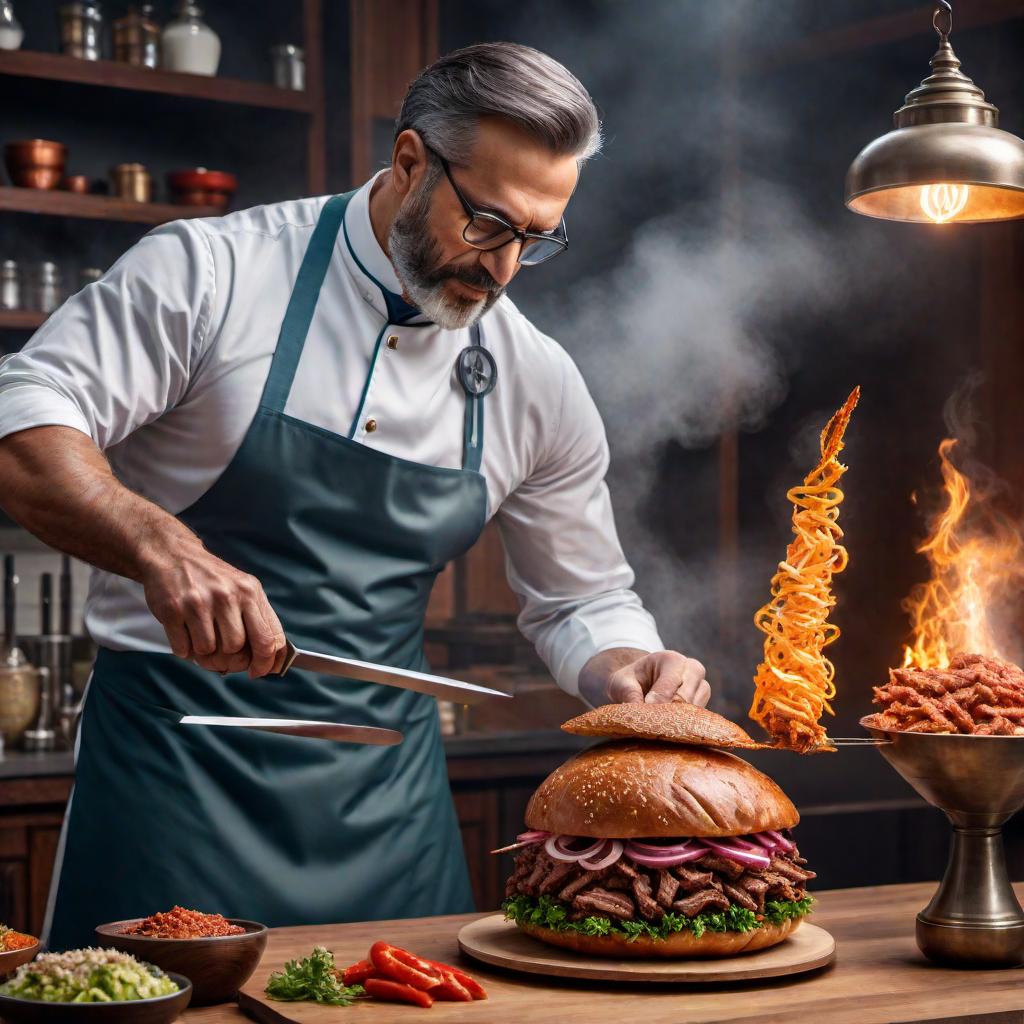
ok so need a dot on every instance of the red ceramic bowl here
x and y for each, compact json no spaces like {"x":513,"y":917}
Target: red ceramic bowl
{"x":200,"y":187}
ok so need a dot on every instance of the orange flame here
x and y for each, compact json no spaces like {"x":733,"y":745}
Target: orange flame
{"x":971,"y":567}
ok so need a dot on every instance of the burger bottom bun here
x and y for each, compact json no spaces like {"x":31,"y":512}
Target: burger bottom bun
{"x":678,"y":946}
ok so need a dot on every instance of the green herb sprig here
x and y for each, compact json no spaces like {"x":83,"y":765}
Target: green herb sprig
{"x":549,"y":913}
{"x":313,"y":978}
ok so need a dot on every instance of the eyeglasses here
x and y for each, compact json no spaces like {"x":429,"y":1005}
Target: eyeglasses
{"x":488,"y":231}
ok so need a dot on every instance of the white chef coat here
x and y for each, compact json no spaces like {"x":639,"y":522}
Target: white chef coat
{"x":162,"y":363}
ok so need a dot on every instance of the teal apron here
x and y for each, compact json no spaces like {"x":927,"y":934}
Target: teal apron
{"x":347,"y":542}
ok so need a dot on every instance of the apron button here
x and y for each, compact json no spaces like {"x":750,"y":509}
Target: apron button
{"x":370,"y":426}
{"x":393,"y":341}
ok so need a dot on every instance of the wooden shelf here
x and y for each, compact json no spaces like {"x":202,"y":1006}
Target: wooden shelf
{"x":56,"y":67}
{"x":21,"y":319}
{"x":56,"y":203}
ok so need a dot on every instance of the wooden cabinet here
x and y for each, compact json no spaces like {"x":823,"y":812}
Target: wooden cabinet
{"x":31,"y":813}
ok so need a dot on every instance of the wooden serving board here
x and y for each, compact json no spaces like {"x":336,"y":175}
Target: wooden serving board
{"x":499,"y":942}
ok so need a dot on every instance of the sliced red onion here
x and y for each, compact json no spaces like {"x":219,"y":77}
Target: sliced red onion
{"x":682,"y":847}
{"x":565,"y":845}
{"x":664,"y":860}
{"x":787,"y":844}
{"x":555,"y":847}
{"x":766,"y":840}
{"x":738,"y":854}
{"x":532,"y":837}
{"x":745,"y":844}
{"x":604,"y":858}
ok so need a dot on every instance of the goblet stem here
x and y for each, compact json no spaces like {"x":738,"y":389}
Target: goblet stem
{"x":974,"y":917}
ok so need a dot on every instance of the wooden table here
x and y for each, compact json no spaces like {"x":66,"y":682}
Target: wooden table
{"x":879,"y":977}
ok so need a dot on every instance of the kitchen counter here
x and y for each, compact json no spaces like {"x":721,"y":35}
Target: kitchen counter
{"x":878,"y":977}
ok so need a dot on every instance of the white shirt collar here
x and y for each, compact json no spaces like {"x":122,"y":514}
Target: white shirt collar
{"x":364,"y":257}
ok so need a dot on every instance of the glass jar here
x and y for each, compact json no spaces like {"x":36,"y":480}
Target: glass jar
{"x":81,"y":29}
{"x":11,"y":32}
{"x":19,"y":695}
{"x":45,"y":292}
{"x":10,"y":285}
{"x":189,"y":44}
{"x":137,"y":37}
{"x":289,"y":66}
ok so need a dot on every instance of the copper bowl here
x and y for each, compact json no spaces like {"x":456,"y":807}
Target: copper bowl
{"x":35,"y":163}
{"x":76,"y":183}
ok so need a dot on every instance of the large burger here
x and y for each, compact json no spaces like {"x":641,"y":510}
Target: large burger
{"x":644,"y":848}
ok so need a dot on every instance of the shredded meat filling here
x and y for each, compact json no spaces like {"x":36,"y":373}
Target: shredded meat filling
{"x":627,"y":890}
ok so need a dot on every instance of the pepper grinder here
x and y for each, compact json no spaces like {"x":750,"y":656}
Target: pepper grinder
{"x":43,"y":736}
{"x":70,"y":707}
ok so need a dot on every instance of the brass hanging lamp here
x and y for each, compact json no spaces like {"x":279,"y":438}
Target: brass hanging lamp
{"x":947,"y":159}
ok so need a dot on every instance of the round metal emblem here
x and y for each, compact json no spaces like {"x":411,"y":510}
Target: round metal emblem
{"x":478,"y":372}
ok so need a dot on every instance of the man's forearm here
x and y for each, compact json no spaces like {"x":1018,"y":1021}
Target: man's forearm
{"x":596,"y":673}
{"x":59,"y":486}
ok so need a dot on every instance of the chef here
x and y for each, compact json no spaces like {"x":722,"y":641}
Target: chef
{"x":287,"y":421}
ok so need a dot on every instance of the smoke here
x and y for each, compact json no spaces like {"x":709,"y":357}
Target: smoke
{"x":713,"y":268}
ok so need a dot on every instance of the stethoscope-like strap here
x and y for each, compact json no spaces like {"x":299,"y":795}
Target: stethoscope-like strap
{"x":473,"y":428}
{"x":302,"y":304}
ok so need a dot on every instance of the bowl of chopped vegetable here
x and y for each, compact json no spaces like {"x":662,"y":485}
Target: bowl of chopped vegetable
{"x":15,"y":949}
{"x":92,"y":985}
{"x":217,"y":954}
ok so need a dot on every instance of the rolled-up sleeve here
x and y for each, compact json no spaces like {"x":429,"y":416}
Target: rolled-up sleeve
{"x":564,"y":559}
{"x":120,"y":352}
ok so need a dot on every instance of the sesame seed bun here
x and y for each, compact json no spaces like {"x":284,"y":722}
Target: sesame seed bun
{"x":681,"y":945}
{"x":632,"y":789}
{"x":674,"y":722}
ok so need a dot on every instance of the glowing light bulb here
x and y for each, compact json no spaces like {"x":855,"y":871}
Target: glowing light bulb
{"x":943,"y":202}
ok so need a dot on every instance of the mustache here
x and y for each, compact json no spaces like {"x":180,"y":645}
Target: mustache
{"x":475,"y":277}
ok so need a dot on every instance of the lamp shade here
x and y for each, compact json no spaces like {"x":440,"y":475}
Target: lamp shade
{"x":946,"y":160}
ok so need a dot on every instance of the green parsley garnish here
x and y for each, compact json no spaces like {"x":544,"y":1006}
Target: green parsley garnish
{"x":549,"y":913}
{"x":313,"y":978}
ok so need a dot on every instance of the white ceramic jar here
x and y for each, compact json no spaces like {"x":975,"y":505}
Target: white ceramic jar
{"x":189,"y":44}
{"x":11,"y":32}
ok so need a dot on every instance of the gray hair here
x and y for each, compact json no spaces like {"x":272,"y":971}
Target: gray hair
{"x":446,"y":101}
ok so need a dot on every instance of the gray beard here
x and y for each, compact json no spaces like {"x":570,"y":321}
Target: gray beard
{"x":414,"y":253}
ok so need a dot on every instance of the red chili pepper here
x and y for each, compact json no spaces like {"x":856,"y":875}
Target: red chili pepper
{"x":450,"y":990}
{"x":396,"y":992}
{"x":405,"y":967}
{"x":475,"y":989}
{"x":358,"y":973}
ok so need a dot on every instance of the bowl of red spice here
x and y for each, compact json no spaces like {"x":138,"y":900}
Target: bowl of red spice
{"x":217,"y":954}
{"x":16,"y":949}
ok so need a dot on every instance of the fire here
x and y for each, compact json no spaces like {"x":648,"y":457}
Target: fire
{"x":973,"y":553}
{"x":943,"y":202}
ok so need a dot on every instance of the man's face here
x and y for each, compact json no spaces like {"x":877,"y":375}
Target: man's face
{"x":509,"y":174}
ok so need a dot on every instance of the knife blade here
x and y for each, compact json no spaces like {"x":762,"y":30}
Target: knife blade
{"x":365,"y":734}
{"x":406,"y":679}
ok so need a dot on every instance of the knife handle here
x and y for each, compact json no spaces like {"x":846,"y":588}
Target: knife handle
{"x":290,"y":654}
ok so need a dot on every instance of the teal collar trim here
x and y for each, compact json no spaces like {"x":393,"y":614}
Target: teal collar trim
{"x":399,"y":311}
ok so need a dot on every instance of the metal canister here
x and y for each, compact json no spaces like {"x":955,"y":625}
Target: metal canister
{"x":137,"y":37}
{"x":132,"y":181}
{"x":87,"y":275}
{"x":45,"y":291}
{"x":10,"y":285}
{"x":81,"y":29}
{"x":289,"y":66}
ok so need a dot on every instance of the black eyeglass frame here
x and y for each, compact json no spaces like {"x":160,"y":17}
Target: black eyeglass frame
{"x":518,"y":235}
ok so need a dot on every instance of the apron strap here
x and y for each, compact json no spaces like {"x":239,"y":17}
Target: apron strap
{"x":473,"y":428}
{"x":302,"y":304}
{"x":299,"y":315}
